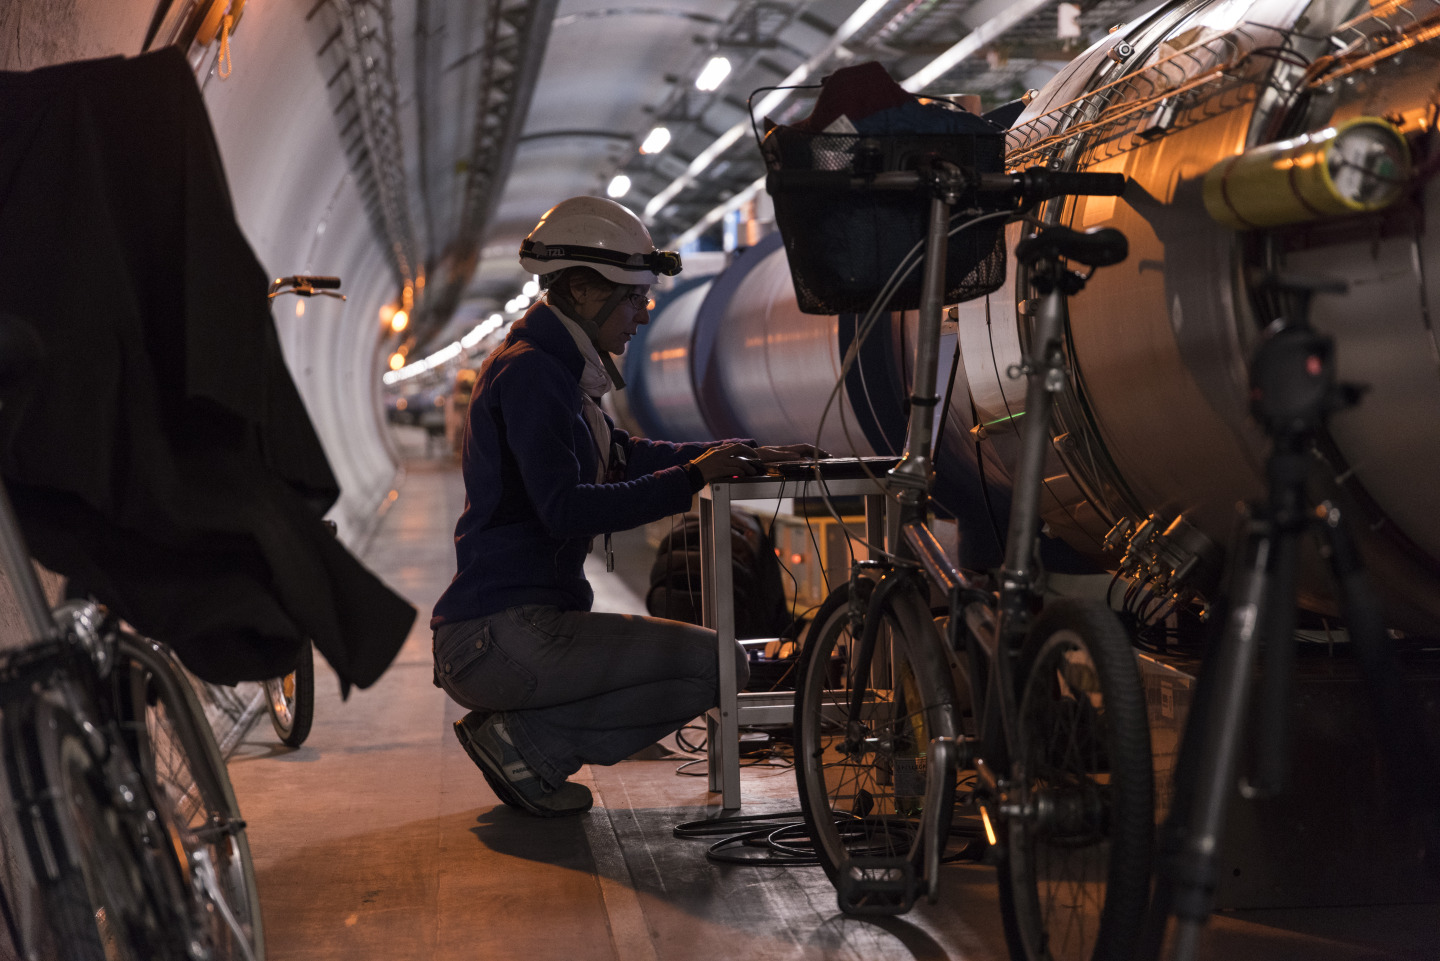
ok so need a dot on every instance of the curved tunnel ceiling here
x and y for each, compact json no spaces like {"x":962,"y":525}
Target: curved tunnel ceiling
{"x":416,"y":142}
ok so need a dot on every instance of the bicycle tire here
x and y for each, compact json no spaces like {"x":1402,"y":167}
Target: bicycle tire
{"x":177,"y":754}
{"x":108,"y":886}
{"x":291,"y":700}
{"x":862,"y":799}
{"x":1075,"y":866}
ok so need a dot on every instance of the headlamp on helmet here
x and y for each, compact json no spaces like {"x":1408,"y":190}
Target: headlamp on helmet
{"x":666,"y":262}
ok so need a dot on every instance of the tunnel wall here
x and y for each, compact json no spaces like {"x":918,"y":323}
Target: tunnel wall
{"x":311,"y":219}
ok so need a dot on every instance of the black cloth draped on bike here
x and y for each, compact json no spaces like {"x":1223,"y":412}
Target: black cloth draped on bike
{"x":161,"y":456}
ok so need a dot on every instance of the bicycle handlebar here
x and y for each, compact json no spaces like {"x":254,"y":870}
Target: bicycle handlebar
{"x":307,"y":280}
{"x":306,"y":285}
{"x":1027,"y":186}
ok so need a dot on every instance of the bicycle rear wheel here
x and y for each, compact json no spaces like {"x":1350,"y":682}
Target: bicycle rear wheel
{"x":1075,"y":869}
{"x":862,"y":775}
{"x":110,"y":890}
{"x":176,"y":752}
{"x":292,"y":700}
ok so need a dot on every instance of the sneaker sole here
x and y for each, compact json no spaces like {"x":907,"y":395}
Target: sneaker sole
{"x":497,"y":784}
{"x":490,"y":767}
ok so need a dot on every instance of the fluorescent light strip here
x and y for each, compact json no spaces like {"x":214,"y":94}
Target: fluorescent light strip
{"x":970,"y":44}
{"x":863,"y":15}
{"x":932,"y":71}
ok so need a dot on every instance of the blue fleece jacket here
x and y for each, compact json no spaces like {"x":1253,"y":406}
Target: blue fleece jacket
{"x":529,"y":463}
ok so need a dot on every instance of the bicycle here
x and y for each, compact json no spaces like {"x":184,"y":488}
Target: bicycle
{"x":1051,"y":728}
{"x":123,"y":837}
{"x":290,"y":699}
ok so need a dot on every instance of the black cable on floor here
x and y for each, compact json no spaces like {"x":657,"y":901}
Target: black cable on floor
{"x":767,"y":833}
{"x":783,"y":840}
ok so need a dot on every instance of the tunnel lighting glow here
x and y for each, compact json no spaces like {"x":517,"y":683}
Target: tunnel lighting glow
{"x":399,"y":321}
{"x":1068,"y":21}
{"x":619,"y":187}
{"x":479,"y":332}
{"x":530,"y":289}
{"x":714,"y":74}
{"x":405,"y":372}
{"x":299,"y":308}
{"x":657,"y":140}
{"x":387,"y":312}
{"x":974,"y":42}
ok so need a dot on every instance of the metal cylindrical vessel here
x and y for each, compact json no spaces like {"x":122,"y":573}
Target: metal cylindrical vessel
{"x":659,"y":366}
{"x":1156,"y":421}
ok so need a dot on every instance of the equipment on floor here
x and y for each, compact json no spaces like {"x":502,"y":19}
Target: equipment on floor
{"x":760,"y":609}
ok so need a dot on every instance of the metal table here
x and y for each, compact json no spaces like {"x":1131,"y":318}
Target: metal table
{"x":717,"y":598}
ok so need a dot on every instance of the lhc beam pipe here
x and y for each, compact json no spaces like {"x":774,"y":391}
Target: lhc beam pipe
{"x":658,"y":367}
{"x":733,"y":355}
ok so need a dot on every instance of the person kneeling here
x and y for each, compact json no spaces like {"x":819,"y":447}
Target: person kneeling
{"x":549,"y":684}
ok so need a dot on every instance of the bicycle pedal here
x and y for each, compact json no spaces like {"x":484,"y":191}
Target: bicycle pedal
{"x":218,"y":831}
{"x":877,"y":886}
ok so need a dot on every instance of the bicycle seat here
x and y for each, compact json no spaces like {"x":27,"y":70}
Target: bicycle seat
{"x":20,"y":348}
{"x":1096,"y":247}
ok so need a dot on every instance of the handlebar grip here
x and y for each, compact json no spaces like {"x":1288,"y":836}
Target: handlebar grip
{"x":1042,"y":184}
{"x":785,"y":181}
{"x":319,"y":283}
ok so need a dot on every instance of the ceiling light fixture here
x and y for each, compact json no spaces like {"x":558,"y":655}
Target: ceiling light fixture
{"x":866,"y":12}
{"x":962,"y":50}
{"x":656,"y":141}
{"x":713,"y":75}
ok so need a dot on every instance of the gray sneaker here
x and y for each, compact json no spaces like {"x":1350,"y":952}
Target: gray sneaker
{"x":513,"y":781}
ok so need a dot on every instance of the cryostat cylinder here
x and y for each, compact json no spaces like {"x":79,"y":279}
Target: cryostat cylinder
{"x":1362,"y":165}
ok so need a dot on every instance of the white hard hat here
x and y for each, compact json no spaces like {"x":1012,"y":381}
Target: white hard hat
{"x":600,"y":234}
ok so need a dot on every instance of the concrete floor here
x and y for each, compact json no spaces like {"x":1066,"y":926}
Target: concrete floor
{"x":378,"y":839}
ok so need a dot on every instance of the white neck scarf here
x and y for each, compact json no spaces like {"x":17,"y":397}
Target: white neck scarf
{"x":594,"y":384}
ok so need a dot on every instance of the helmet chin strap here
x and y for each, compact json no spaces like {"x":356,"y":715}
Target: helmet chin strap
{"x":592,"y":327}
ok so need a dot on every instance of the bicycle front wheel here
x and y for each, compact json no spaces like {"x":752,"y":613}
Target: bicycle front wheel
{"x":1075,"y":871}
{"x":292,"y":700}
{"x":176,"y":752}
{"x":861,"y":773}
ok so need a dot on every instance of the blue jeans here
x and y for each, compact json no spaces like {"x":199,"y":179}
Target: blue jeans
{"x":578,"y":687}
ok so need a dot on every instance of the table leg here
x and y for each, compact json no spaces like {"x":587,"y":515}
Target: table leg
{"x":718,"y":611}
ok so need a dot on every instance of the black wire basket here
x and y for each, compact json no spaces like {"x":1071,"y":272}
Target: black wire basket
{"x":844,"y":247}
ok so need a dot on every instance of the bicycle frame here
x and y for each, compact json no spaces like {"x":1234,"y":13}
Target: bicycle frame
{"x":996,"y":633}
